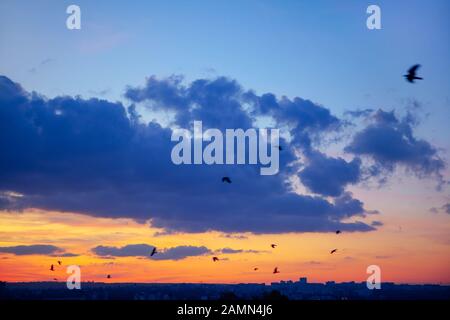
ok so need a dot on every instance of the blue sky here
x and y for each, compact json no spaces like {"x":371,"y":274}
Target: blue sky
{"x":319,"y":50}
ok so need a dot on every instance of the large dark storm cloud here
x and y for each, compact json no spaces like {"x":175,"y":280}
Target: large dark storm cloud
{"x":95,"y":157}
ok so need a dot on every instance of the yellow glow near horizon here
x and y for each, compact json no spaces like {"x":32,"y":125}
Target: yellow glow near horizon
{"x":404,"y":255}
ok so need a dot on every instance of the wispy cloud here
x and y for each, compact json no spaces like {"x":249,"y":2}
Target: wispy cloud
{"x":144,"y":250}
{"x":36,"y":249}
{"x":42,"y":64}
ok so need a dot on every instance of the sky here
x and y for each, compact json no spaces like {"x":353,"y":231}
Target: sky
{"x":86,"y":117}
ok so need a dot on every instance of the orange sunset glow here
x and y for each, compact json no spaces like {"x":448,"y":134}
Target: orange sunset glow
{"x":405,"y":253}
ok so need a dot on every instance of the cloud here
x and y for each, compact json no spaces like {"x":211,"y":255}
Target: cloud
{"x":383,"y":257}
{"x":68,"y":255}
{"x":100,"y":40}
{"x":329,"y":176}
{"x":42,"y":64}
{"x":4,"y":202}
{"x":95,"y":157}
{"x":446,"y":207}
{"x":376,"y":223}
{"x":8,"y":199}
{"x":305,"y":120}
{"x":218,"y":102}
{"x":231,"y":251}
{"x":144,"y":250}
{"x":349,"y":258}
{"x":47,"y":61}
{"x":234,"y":236}
{"x":390,"y":142}
{"x":181,"y":252}
{"x":38,"y":249}
{"x":223,"y":103}
{"x":313,"y":263}
{"x":102,"y":92}
{"x":131,"y":250}
{"x":360,"y":113}
{"x":434,"y":210}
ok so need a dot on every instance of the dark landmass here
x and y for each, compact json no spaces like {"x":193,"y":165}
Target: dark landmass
{"x":284,"y":290}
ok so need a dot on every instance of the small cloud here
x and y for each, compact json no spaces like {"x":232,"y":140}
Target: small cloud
{"x":42,"y":64}
{"x":47,"y":61}
{"x":234,"y":236}
{"x":144,"y":250}
{"x":376,"y":223}
{"x":181,"y":252}
{"x":131,"y":250}
{"x":231,"y":251}
{"x":360,"y":113}
{"x":219,"y":103}
{"x":314,"y":263}
{"x":390,"y":142}
{"x":100,"y":92}
{"x":445,"y":208}
{"x":68,"y":254}
{"x":38,"y":249}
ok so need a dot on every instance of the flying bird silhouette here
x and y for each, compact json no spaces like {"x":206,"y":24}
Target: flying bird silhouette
{"x":333,"y":251}
{"x":338,"y":231}
{"x":55,"y":279}
{"x":273,"y":245}
{"x":153,"y":252}
{"x":215,"y":259}
{"x":59,"y":262}
{"x":255,"y":269}
{"x":226,"y":179}
{"x":108,"y":276}
{"x":52,"y":268}
{"x":412,"y":74}
{"x":276,"y":270}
